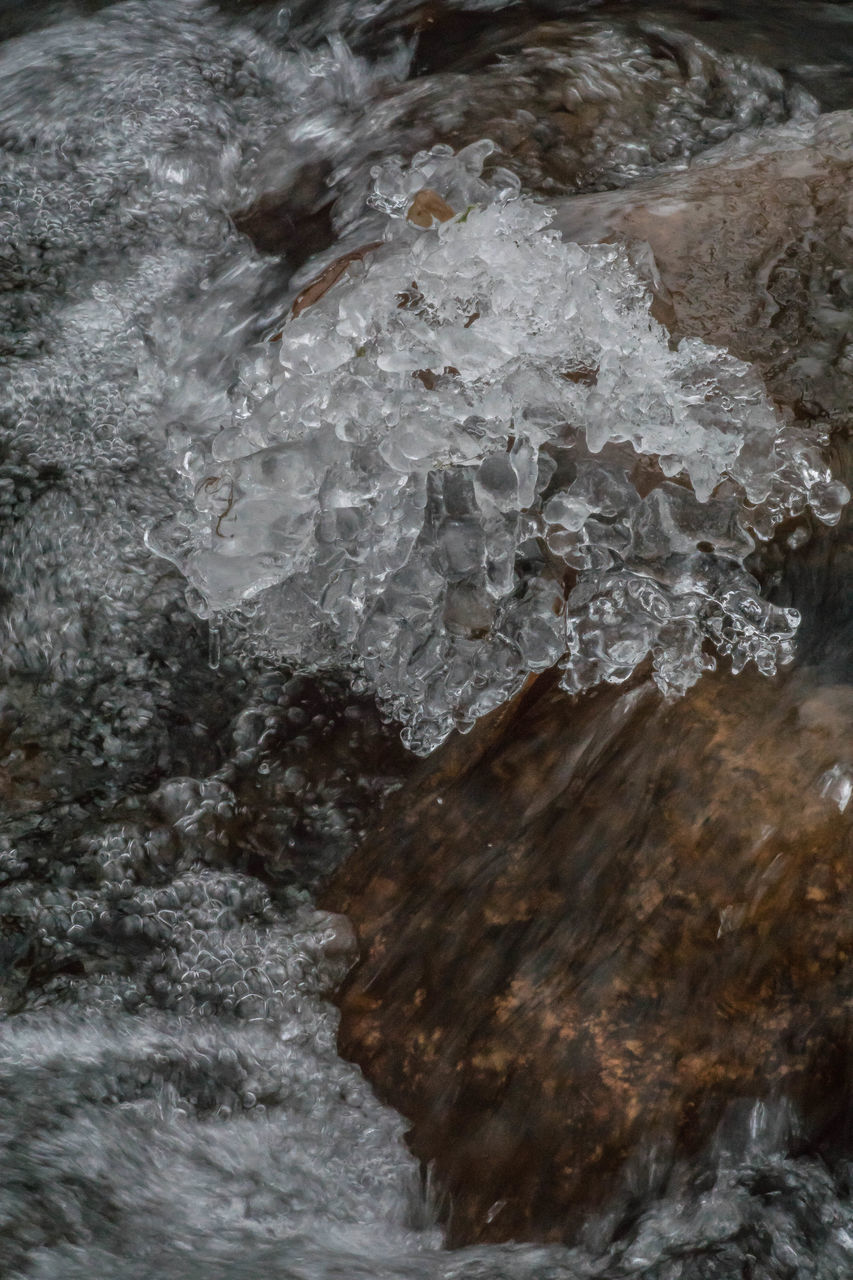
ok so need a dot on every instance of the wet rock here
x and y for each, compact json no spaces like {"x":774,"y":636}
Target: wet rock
{"x":428,"y":208}
{"x":753,"y":248}
{"x":569,"y":105}
{"x":587,"y":927}
{"x":322,"y":283}
{"x":296,"y":222}
{"x":587,"y":106}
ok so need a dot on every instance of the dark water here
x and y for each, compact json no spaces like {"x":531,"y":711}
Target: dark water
{"x":173,"y":789}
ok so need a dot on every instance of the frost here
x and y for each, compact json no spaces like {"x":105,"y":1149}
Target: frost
{"x":480,"y":456}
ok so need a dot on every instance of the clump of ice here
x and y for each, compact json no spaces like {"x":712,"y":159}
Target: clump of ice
{"x":479,"y":455}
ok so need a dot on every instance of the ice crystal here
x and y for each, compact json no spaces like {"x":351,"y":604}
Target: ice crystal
{"x":479,"y":455}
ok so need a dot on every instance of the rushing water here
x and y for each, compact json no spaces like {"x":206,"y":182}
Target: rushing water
{"x":172,"y":1103}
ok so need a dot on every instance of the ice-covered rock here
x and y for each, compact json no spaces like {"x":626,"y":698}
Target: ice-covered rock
{"x":752,"y":245}
{"x":478,"y":455}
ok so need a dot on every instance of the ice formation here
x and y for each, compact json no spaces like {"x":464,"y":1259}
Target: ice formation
{"x":478,"y":456}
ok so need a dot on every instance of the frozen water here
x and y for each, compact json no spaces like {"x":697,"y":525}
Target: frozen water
{"x":837,"y":785}
{"x":433,"y":474}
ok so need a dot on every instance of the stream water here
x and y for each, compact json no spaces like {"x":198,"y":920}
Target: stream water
{"x":217,"y":551}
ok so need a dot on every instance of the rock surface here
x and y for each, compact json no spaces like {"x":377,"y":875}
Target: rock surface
{"x":753,"y":246}
{"x":569,"y":106}
{"x":589,"y":927}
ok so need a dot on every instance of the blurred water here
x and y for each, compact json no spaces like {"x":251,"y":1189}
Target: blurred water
{"x":172,"y":1102}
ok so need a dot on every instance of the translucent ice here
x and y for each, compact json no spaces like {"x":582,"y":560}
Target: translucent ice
{"x":480,"y":456}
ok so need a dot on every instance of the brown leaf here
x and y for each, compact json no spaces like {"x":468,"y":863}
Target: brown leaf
{"x":428,"y":207}
{"x":322,"y":283}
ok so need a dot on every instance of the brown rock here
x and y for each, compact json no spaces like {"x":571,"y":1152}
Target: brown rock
{"x":569,"y":106}
{"x":296,"y":222}
{"x":588,"y":926}
{"x":754,"y":250}
{"x":426,"y":209}
{"x":565,"y":103}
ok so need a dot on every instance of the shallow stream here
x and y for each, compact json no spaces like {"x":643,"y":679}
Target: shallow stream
{"x":198,"y":615}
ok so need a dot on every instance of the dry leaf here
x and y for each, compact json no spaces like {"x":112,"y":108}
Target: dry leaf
{"x":322,"y":283}
{"x":428,"y":207}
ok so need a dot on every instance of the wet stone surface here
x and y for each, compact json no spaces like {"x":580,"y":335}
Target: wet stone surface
{"x":581,"y":939}
{"x":592,"y":926}
{"x":753,"y":249}
{"x":570,"y":106}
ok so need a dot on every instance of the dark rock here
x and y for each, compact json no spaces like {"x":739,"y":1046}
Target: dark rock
{"x":296,"y":222}
{"x":590,"y":925}
{"x":588,"y":106}
{"x":569,"y":105}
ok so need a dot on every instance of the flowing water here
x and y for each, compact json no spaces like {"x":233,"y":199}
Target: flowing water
{"x":218,"y":551}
